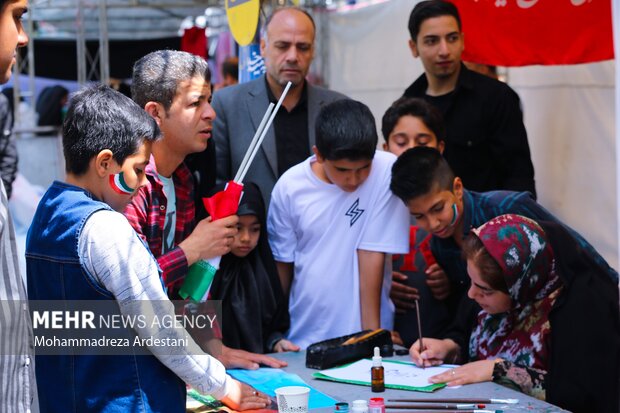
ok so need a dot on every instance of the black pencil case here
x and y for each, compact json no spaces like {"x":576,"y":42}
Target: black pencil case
{"x":332,"y":352}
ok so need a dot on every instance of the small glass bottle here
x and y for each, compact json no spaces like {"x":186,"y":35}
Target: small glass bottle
{"x":377,"y":380}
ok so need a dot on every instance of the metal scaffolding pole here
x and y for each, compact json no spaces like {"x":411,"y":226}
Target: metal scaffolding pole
{"x":28,"y":63}
{"x":322,"y":40}
{"x":17,"y":91}
{"x":80,"y":40}
{"x":104,"y":47}
{"x":31,"y":83}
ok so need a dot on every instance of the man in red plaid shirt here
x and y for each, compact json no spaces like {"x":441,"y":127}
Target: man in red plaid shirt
{"x":174,"y":88}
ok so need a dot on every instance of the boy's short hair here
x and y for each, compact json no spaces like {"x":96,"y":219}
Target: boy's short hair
{"x":157,"y":75}
{"x":418,"y":171}
{"x":101,"y":118}
{"x":345,"y":129}
{"x":429,"y":9}
{"x":416,"y":107}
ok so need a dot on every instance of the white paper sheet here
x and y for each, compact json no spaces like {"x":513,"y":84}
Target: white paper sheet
{"x":395,"y":373}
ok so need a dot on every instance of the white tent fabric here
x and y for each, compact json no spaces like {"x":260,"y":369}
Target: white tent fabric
{"x":569,"y":113}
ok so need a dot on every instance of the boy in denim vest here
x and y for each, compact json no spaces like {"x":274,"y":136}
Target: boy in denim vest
{"x":80,"y":247}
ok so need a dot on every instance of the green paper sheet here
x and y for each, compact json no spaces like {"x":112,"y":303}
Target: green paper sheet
{"x":387,"y":364}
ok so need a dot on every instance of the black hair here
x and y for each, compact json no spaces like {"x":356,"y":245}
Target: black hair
{"x":345,"y":129}
{"x":157,"y":75}
{"x":419,"y":108}
{"x":49,"y":105}
{"x":101,"y":118}
{"x":418,"y":171}
{"x":429,"y":9}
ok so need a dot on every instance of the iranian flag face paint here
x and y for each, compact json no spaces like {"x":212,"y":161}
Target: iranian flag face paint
{"x":118,"y":184}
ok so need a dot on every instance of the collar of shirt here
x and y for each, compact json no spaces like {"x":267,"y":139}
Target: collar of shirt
{"x":180,"y":175}
{"x":303,"y":100}
{"x":464,"y":81}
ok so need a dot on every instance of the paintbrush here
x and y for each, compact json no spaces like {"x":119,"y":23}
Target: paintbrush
{"x":438,"y":406}
{"x":452,"y":411}
{"x":458,"y":400}
{"x":417,"y":311}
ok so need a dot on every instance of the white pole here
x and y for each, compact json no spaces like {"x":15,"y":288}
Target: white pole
{"x":264,"y":133}
{"x":244,"y":163}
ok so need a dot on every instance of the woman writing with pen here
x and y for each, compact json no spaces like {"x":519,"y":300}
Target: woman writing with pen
{"x":546,"y":321}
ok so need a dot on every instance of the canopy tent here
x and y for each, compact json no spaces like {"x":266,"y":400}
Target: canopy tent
{"x":369,"y":60}
{"x":569,"y":113}
{"x":88,"y":39}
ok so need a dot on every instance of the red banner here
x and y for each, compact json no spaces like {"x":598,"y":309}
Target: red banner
{"x":194,"y":41}
{"x":529,"y":32}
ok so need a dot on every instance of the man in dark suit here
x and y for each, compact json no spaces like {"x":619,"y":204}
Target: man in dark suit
{"x":287,"y":45}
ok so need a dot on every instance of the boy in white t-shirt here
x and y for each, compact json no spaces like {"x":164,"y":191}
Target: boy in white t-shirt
{"x":332,"y":219}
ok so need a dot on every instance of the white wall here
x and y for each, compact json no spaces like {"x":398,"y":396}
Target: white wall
{"x":369,"y":59}
{"x":569,"y":113}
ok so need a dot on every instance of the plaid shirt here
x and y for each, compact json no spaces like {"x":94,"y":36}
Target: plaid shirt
{"x":147,"y":213}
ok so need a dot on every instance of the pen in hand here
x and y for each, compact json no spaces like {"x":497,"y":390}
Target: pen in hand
{"x":417,"y":311}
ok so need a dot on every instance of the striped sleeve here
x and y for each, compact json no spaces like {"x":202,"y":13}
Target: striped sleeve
{"x":16,"y":352}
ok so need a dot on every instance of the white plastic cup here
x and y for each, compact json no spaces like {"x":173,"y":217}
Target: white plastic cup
{"x":292,"y":399}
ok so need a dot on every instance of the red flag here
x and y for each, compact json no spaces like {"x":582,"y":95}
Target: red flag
{"x":528,"y":32}
{"x":225,"y":203}
{"x":194,"y":41}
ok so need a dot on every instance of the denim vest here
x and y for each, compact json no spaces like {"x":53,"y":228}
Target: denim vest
{"x":86,"y":383}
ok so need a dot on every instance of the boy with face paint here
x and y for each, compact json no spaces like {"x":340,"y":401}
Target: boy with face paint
{"x":436,"y":198}
{"x":80,"y":247}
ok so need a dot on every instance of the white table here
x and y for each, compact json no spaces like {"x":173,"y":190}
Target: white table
{"x":348,"y":392}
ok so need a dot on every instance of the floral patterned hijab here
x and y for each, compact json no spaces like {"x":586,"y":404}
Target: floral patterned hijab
{"x":522,"y":250}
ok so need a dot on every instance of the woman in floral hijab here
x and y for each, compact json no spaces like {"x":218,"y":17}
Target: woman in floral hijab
{"x":513,"y":279}
{"x":543,"y":318}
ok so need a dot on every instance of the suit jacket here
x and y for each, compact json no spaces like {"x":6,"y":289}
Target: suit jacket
{"x":486,"y":142}
{"x":239,"y":110}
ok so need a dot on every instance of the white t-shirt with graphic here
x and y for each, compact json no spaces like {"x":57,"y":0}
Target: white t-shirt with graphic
{"x":319,"y":228}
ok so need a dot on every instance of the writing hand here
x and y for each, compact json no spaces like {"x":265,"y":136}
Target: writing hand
{"x":434,"y":353}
